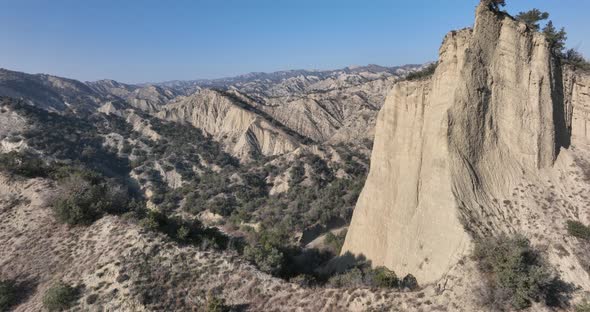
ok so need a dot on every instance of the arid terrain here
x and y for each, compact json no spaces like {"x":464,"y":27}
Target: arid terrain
{"x":457,"y":185}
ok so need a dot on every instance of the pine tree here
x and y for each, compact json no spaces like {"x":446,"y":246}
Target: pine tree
{"x":556,"y":38}
{"x":532,"y":18}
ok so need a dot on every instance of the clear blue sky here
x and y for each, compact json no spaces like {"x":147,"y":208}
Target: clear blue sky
{"x":158,"y":40}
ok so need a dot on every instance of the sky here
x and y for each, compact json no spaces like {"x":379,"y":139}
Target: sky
{"x":159,"y":40}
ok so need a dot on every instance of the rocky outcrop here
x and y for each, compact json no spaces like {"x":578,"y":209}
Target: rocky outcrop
{"x":244,"y":133}
{"x":577,"y":103}
{"x":345,"y":115}
{"x":453,"y":152}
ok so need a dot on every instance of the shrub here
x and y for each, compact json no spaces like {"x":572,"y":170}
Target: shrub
{"x":23,"y":164}
{"x":335,"y":242}
{"x":423,"y":73}
{"x":267,"y":258}
{"x":532,"y":18}
{"x":59,"y":297}
{"x":184,"y":231}
{"x":352,"y":278}
{"x":576,"y":59}
{"x":409,"y":282}
{"x":515,"y":272}
{"x":578,"y":229}
{"x":303,"y":280}
{"x":583,"y":306}
{"x":84,"y":197}
{"x":216,"y":304}
{"x":297,"y":174}
{"x":7,"y":295}
{"x":385,"y":278}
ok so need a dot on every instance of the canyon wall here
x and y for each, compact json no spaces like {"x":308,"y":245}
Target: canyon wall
{"x":450,"y":149}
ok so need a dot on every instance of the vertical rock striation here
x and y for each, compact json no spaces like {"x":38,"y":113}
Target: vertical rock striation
{"x":449,"y":148}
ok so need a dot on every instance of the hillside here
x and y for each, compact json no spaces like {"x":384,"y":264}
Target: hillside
{"x":458,"y":185}
{"x":493,"y":143}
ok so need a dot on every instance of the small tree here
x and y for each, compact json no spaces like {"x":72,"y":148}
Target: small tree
{"x":556,"y":38}
{"x":383,"y":277}
{"x":59,"y":297}
{"x":532,"y":18}
{"x":576,"y":59}
{"x":495,"y":4}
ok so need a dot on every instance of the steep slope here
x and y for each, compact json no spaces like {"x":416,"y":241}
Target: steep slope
{"x":244,"y":132}
{"x":335,"y":115}
{"x":118,"y":265}
{"x":49,"y":92}
{"x":470,"y":152}
{"x":148,"y":98}
{"x":577,"y":103}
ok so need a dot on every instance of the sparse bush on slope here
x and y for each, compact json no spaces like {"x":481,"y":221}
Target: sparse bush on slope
{"x":24,"y":165}
{"x":216,"y":304}
{"x":583,"y":306}
{"x":7,"y":295}
{"x":515,"y":273}
{"x":84,"y":196}
{"x":578,"y":229}
{"x":423,"y":73}
{"x":60,"y":296}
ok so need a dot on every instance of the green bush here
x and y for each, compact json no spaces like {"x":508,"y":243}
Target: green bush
{"x":59,"y":297}
{"x":23,"y":164}
{"x":216,"y":304}
{"x":353,"y":278}
{"x":265,"y":249}
{"x":267,"y":258}
{"x":424,"y":73}
{"x":516,"y":270}
{"x":335,"y":242}
{"x":85,"y":196}
{"x":362,"y":275}
{"x":184,"y":231}
{"x":7,"y":295}
{"x":385,"y":278}
{"x":583,"y":306}
{"x":575,"y":59}
{"x":578,"y":229}
{"x":297,"y":174}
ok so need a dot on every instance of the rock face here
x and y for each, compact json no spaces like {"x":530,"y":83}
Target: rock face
{"x":243,"y":132}
{"x":450,"y":149}
{"x":577,"y":95}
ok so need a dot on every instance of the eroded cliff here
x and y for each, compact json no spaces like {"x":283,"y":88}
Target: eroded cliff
{"x":473,"y":151}
{"x":243,"y":132}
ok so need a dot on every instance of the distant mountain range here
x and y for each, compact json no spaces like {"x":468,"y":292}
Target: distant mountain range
{"x":256,"y":113}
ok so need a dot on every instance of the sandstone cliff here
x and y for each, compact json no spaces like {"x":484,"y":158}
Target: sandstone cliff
{"x":243,"y":132}
{"x":477,"y":149}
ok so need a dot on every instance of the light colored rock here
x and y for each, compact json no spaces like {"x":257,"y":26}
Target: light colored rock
{"x":243,"y":132}
{"x":577,"y":99}
{"x":456,"y":155}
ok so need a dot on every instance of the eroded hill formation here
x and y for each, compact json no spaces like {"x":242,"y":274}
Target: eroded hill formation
{"x":489,"y":144}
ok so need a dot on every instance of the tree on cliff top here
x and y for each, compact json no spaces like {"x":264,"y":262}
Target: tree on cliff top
{"x":556,"y":38}
{"x":495,"y":4}
{"x":532,"y":18}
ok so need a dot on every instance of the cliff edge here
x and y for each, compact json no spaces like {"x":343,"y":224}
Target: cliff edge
{"x":482,"y":147}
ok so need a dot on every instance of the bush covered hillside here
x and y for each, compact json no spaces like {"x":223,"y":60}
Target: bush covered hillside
{"x":177,"y":181}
